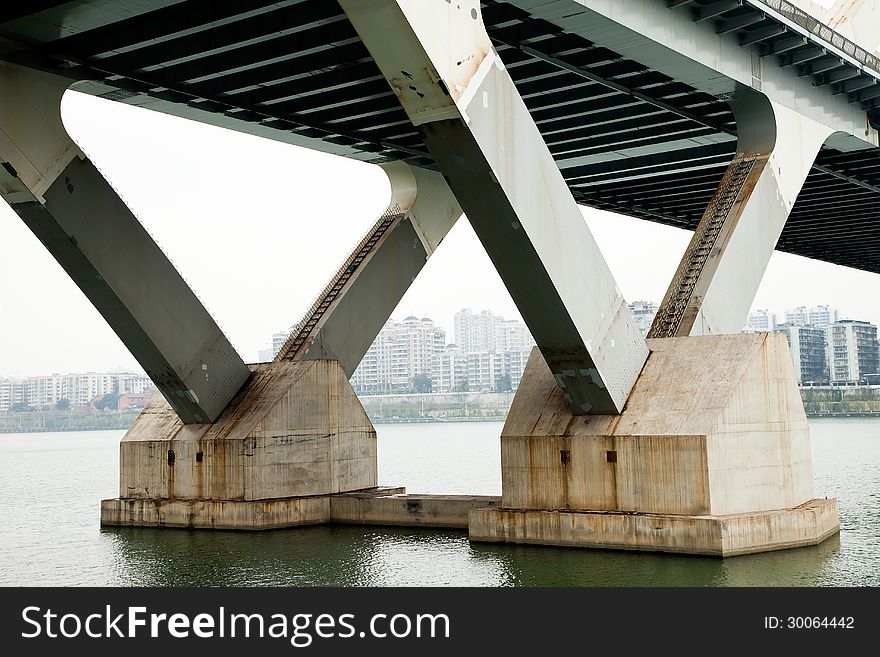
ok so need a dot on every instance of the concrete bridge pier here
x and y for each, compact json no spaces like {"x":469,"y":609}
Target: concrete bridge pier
{"x":687,"y":444}
{"x":712,"y":453}
{"x":711,"y":456}
{"x":296,"y":434}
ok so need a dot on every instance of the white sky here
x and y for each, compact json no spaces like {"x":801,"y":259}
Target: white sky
{"x":257,"y":227}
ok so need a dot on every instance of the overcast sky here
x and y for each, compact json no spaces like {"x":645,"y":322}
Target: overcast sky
{"x":257,"y":227}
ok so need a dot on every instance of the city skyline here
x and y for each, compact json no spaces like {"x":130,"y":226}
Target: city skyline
{"x":640,"y":308}
{"x":487,"y":352}
{"x":78,"y":390}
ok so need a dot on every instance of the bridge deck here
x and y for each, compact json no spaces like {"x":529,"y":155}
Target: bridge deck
{"x":626,"y":137}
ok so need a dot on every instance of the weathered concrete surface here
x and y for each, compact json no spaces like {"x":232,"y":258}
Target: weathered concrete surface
{"x":714,"y":426}
{"x":376,"y":506}
{"x":713,"y":437}
{"x":297,"y":429}
{"x":407,"y":510}
{"x":723,"y":536}
{"x":216,"y":514}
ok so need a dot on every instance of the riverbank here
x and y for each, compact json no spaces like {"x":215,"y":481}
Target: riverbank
{"x":826,"y":402}
{"x":853,"y":401}
{"x":52,"y":421}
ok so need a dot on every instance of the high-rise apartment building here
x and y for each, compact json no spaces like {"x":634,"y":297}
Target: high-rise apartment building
{"x":44,"y":392}
{"x":761,"y":320}
{"x":854,"y":352}
{"x":401,"y":353}
{"x":511,"y":335}
{"x":807,"y":347}
{"x":278,"y":340}
{"x":821,"y":316}
{"x":475,"y":331}
{"x":643,"y":313}
{"x":487,"y":347}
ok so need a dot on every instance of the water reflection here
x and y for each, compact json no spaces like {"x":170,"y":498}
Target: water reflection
{"x":306,"y":556}
{"x":352,"y":556}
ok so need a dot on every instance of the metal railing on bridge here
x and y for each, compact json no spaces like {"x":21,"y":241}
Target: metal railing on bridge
{"x":821,"y":30}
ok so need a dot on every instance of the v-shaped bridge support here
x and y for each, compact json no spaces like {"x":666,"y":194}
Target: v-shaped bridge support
{"x":454,"y":87}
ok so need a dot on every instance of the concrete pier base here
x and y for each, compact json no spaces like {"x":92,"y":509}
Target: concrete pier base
{"x":710,"y":456}
{"x":722,"y":536}
{"x":295,"y":447}
{"x":226,"y":514}
{"x":389,"y":506}
{"x":216,"y":514}
{"x":295,"y":434}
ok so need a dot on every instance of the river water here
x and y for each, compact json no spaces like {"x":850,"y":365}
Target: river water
{"x":51,"y":484}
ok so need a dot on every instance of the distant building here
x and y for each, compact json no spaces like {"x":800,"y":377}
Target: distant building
{"x":483,"y":371}
{"x":480,"y":371}
{"x":821,"y":316}
{"x":512,"y":335}
{"x":487,"y":347}
{"x":515,"y":365}
{"x":278,"y":340}
{"x":761,"y":320}
{"x":644,"y":313}
{"x":475,"y":332}
{"x":807,"y":347}
{"x":854,"y":352}
{"x":450,"y":370}
{"x":134,"y":400}
{"x":11,"y":394}
{"x":401,"y":353}
{"x":44,"y":392}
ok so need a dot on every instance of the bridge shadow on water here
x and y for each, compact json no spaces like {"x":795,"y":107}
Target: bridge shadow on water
{"x":386,"y":556}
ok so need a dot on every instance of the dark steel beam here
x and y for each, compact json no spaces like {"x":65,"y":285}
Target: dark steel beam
{"x":862,"y":82}
{"x":761,"y":34}
{"x":741,"y":22}
{"x":783,"y":45}
{"x":713,"y":9}
{"x":802,"y":56}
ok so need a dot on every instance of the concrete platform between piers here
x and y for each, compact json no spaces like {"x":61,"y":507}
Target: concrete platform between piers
{"x":722,"y":536}
{"x":389,"y":506}
{"x":449,"y":511}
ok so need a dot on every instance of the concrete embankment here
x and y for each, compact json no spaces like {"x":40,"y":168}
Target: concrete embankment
{"x":841,"y":401}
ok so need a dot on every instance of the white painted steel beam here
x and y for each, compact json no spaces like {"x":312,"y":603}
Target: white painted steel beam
{"x":729,"y":287}
{"x":424,"y":211}
{"x":783,"y":145}
{"x":84,"y":224}
{"x":454,"y":87}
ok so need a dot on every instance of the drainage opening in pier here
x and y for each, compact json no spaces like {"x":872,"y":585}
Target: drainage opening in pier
{"x":170,"y":457}
{"x":611,"y":456}
{"x":565,"y":455}
{"x":200,"y":457}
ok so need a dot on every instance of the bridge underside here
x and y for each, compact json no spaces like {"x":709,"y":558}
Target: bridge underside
{"x":627,"y":138}
{"x":625,"y":445}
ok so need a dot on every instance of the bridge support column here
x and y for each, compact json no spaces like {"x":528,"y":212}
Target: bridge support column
{"x":704,"y":450}
{"x":87,"y":228}
{"x":296,"y":434}
{"x":456,"y":90}
{"x":722,"y":267}
{"x":712,"y":453}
